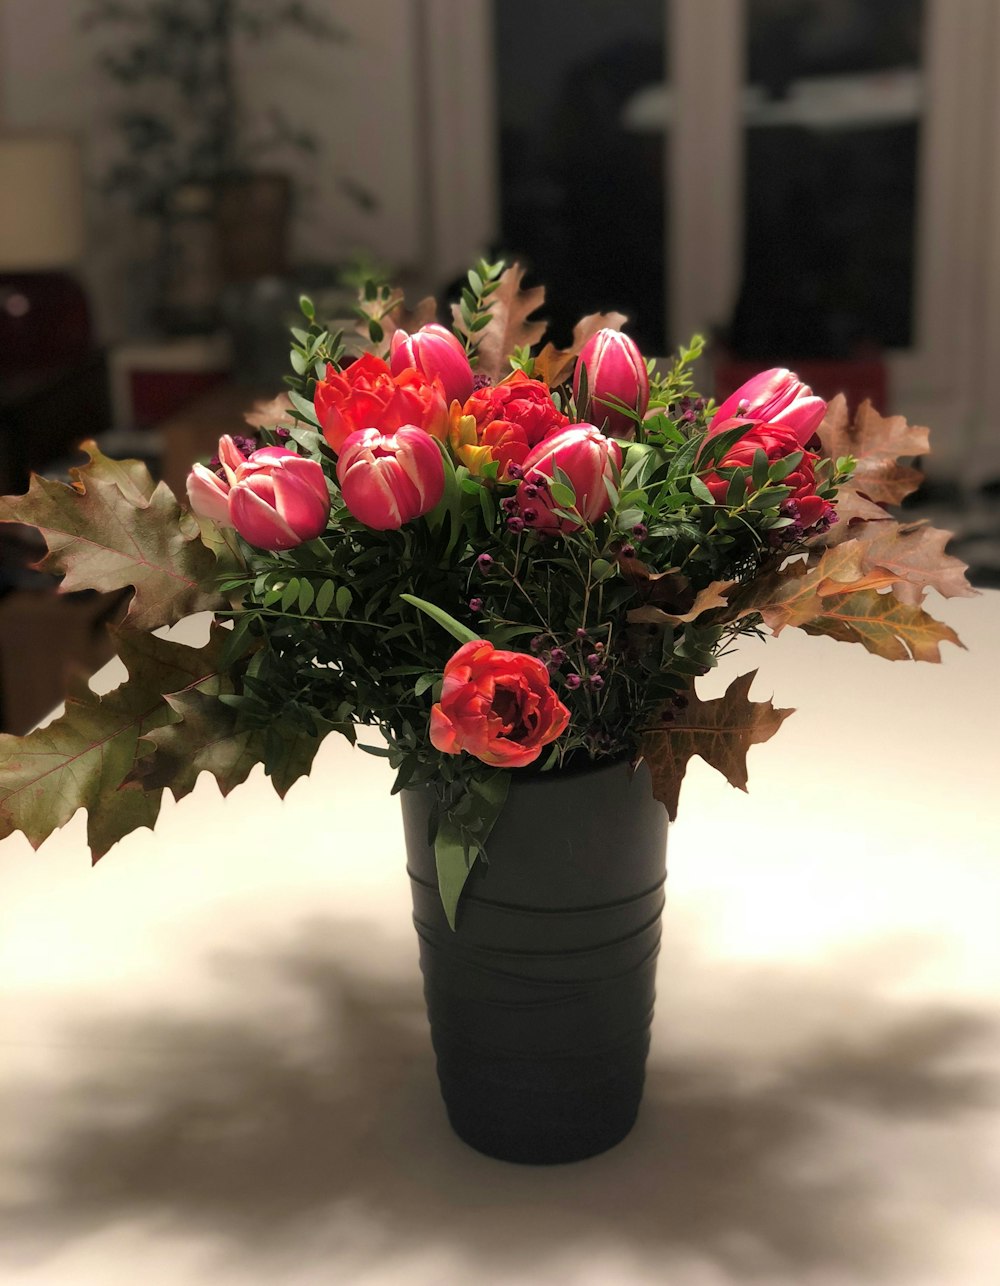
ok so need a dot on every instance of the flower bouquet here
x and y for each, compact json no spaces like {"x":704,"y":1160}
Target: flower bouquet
{"x":512,"y":562}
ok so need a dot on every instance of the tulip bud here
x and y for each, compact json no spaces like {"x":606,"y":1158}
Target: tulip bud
{"x":279,"y":499}
{"x":585,"y":455}
{"x":776,"y":396}
{"x":615,"y":373}
{"x":434,"y":351}
{"x":208,"y":490}
{"x":390,"y":478}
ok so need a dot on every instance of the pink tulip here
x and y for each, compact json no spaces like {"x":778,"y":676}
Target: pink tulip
{"x":585,"y":455}
{"x":615,"y":373}
{"x":390,"y":478}
{"x":279,"y":499}
{"x":434,"y":351}
{"x":208,"y":491}
{"x":776,"y":396}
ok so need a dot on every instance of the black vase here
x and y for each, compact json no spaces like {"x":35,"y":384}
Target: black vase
{"x":540,"y":1003}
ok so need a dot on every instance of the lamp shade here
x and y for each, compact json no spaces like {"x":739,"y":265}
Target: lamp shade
{"x":41,"y":203}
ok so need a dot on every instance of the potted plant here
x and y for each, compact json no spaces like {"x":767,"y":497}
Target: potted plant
{"x":205,"y":162}
{"x":503,"y":568}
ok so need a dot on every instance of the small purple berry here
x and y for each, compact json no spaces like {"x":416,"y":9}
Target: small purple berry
{"x":515,"y":524}
{"x":628,"y":551}
{"x":484,"y":562}
{"x":529,"y":514}
{"x":558,"y":656}
{"x":515,"y":471}
{"x":640,"y":531}
{"x":596,"y":681}
{"x":530,"y":490}
{"x":475,"y":604}
{"x":537,"y":643}
{"x":573,"y":681}
{"x":508,"y":505}
{"x":593,"y":660}
{"x":582,"y":633}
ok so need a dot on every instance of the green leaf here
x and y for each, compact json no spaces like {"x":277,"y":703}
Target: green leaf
{"x":324,"y":597}
{"x":307,"y":308}
{"x":343,"y":600}
{"x":441,"y":617}
{"x":424,"y":682}
{"x":116,"y":528}
{"x":700,"y":491}
{"x":453,"y":866}
{"x":782,"y":468}
{"x":304,"y":407}
{"x":306,"y":595}
{"x":563,"y":495}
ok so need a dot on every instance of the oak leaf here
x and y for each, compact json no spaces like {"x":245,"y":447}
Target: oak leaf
{"x":554,"y":365}
{"x":878,"y":442}
{"x":916,"y":553}
{"x":720,"y":730}
{"x":795,"y":594}
{"x":712,"y":596}
{"x":205,"y":736}
{"x":898,"y":631}
{"x":114,"y":528}
{"x":508,"y":327}
{"x":82,"y":759}
{"x":276,"y":413}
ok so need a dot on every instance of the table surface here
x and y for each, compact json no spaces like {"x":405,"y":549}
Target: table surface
{"x":215,"y":1066}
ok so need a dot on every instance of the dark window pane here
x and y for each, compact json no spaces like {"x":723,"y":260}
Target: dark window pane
{"x":582,"y":195}
{"x":832,"y":136}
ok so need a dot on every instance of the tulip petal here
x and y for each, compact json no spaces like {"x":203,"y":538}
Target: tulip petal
{"x":208,"y":495}
{"x":258,"y":522}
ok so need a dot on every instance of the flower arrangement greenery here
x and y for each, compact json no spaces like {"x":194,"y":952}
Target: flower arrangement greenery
{"x":504,"y":558}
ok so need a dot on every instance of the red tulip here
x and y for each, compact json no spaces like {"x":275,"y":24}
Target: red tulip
{"x":434,"y":351}
{"x":390,"y":478}
{"x":615,"y":373}
{"x":279,"y":499}
{"x":776,"y":396}
{"x":368,"y":396}
{"x":585,"y":455}
{"x":498,"y":706}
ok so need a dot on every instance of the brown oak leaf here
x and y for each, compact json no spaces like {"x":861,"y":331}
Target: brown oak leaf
{"x":554,"y":365}
{"x":508,"y":327}
{"x":114,"y":527}
{"x":916,"y":553}
{"x":712,"y":596}
{"x":720,"y":730}
{"x":885,"y":626}
{"x":276,"y":413}
{"x":878,"y":442}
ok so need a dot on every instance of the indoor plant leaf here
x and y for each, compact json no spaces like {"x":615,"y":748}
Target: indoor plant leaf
{"x":508,"y":327}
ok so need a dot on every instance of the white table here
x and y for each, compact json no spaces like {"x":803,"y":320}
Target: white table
{"x":215,"y":1067}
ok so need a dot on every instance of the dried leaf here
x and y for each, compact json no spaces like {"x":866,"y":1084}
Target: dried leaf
{"x":206,"y":738}
{"x":113,"y":528}
{"x":796,"y":594}
{"x":712,"y":596}
{"x":883,"y":625}
{"x":82,"y":759}
{"x":721,"y":731}
{"x":915,"y":552}
{"x":854,"y":512}
{"x":878,"y":442}
{"x":554,"y":365}
{"x":508,"y":327}
{"x":277,"y":413}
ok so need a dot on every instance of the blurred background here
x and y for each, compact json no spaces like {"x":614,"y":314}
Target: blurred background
{"x":813,"y":183}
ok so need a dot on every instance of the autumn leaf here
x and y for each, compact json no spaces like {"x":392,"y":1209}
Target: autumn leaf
{"x":712,"y":596}
{"x":82,"y":758}
{"x":720,"y":730}
{"x":796,"y":594}
{"x":883,"y":625}
{"x":878,"y":442}
{"x":915,"y":553}
{"x":206,"y":737}
{"x":276,"y":413}
{"x":508,"y":327}
{"x":854,"y":513}
{"x":554,"y":365}
{"x":114,"y":528}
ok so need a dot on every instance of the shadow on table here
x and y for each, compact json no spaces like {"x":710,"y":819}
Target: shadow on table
{"x":269,"y":1145}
